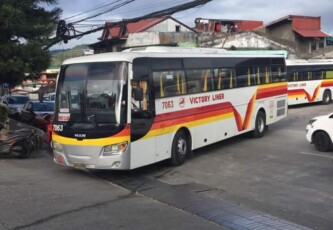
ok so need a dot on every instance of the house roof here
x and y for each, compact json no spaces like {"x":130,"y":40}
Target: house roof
{"x":122,"y":31}
{"x":305,"y":26}
{"x":311,"y":33}
{"x":290,"y":18}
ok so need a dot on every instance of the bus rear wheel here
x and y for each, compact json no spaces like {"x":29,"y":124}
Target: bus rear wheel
{"x":327,"y":97}
{"x":260,"y":125}
{"x":322,"y":141}
{"x":180,"y":148}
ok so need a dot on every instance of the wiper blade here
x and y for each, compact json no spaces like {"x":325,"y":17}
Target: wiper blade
{"x":91,"y":119}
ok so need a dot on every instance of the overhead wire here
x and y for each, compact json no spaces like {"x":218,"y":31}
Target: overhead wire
{"x":65,"y":36}
{"x":136,"y":9}
{"x":100,"y":6}
{"x":105,"y":11}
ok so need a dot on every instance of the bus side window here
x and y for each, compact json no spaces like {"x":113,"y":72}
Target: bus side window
{"x":194,"y":82}
{"x":242,"y":77}
{"x":207,"y":80}
{"x":317,"y":75}
{"x":278,"y":75}
{"x":170,"y":86}
{"x":158,"y":84}
{"x":328,"y":74}
{"x":181,"y":82}
{"x":167,"y":84}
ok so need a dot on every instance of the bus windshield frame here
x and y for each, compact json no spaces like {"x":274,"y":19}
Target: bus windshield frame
{"x":92,"y":93}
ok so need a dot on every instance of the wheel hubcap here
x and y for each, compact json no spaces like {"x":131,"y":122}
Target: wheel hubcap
{"x":261,"y":125}
{"x":181,"y":147}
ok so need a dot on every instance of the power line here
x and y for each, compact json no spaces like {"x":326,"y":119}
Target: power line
{"x":102,"y":5}
{"x":64,"y":35}
{"x":106,"y":11}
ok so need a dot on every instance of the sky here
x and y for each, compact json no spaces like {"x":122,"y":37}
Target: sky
{"x":262,"y":10}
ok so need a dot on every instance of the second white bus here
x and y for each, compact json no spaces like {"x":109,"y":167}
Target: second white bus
{"x":310,"y":81}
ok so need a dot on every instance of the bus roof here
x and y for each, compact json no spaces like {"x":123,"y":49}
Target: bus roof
{"x":306,"y":62}
{"x":162,"y":52}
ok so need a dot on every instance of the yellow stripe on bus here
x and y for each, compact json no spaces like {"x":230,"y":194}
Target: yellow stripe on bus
{"x":174,"y":128}
{"x":272,"y":85}
{"x":90,"y":142}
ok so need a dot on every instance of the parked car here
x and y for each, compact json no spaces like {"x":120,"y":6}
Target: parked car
{"x":49,"y":97}
{"x":319,"y":132}
{"x":14,"y":104}
{"x":38,"y":114}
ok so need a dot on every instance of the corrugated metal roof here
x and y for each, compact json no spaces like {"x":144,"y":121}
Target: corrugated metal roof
{"x":311,"y":33}
{"x":301,"y":20}
{"x":134,"y":27}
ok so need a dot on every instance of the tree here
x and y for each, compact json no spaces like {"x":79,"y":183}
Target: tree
{"x":25,"y":28}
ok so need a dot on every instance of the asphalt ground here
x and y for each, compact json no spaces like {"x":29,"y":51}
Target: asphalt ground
{"x":281,"y":174}
{"x":35,"y":194}
{"x":275,"y":182}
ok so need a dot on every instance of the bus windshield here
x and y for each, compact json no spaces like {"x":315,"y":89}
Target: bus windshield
{"x":92,"y":93}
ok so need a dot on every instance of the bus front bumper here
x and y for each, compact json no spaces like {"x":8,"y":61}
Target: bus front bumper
{"x":90,"y":157}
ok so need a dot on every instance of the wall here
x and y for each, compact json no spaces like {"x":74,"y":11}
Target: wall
{"x":168,"y":25}
{"x":158,"y":38}
{"x":283,"y":31}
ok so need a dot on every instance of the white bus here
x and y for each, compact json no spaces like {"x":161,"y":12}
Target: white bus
{"x":129,"y":109}
{"x":310,"y":81}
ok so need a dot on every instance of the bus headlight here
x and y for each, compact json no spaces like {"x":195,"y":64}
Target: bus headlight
{"x":56,"y":146}
{"x":114,"y":149}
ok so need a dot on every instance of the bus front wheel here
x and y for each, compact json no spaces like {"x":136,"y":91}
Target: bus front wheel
{"x":180,"y":148}
{"x":260,"y":125}
{"x":327,"y":97}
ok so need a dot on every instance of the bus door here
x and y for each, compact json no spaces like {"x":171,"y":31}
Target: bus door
{"x":142,"y":139}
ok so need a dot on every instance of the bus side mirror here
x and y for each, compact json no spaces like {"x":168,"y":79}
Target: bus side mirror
{"x":138,"y":94}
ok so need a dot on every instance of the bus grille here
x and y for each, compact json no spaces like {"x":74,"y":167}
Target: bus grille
{"x":281,"y":108}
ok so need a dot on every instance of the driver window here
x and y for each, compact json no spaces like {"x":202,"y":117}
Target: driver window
{"x":140,"y":105}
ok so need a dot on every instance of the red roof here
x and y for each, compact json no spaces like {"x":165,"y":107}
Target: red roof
{"x":311,"y":33}
{"x":135,"y":27}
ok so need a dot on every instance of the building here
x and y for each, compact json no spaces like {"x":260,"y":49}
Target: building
{"x":303,"y":31}
{"x":225,"y":25}
{"x":146,"y":32}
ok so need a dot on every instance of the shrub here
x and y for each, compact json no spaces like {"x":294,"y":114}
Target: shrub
{"x":3,"y":113}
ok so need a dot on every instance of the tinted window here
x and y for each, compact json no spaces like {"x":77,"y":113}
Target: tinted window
{"x":43,"y":106}
{"x":17,"y":100}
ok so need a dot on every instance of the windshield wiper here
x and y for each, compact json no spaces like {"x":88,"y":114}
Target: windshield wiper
{"x":91,"y":119}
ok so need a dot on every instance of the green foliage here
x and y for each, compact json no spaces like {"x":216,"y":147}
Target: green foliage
{"x":25,"y":28}
{"x":3,"y":113}
{"x":59,"y":57}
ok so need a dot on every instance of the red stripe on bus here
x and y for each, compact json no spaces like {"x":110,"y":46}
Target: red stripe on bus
{"x":301,"y":92}
{"x":125,"y":132}
{"x":327,"y":84}
{"x":271,"y":92}
{"x":195,"y":114}
{"x":190,"y":115}
{"x":248,"y":115}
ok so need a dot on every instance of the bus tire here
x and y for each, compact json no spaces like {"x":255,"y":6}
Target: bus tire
{"x":180,"y":148}
{"x":260,"y":125}
{"x":322,"y":141}
{"x":327,"y":97}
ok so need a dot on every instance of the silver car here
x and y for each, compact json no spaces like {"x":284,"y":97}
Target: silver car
{"x":14,"y":103}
